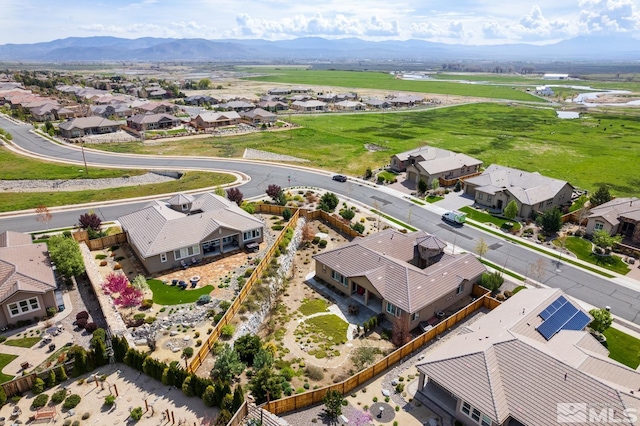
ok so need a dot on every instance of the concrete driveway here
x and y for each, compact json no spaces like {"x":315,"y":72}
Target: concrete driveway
{"x":455,"y":200}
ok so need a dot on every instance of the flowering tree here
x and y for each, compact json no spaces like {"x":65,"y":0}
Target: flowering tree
{"x":115,"y":283}
{"x":360,"y":418}
{"x":130,"y":297}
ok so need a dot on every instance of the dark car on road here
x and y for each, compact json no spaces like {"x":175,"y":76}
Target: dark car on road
{"x":339,"y":178}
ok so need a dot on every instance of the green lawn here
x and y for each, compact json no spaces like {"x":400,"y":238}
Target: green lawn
{"x":165,"y":132}
{"x":5,"y":359}
{"x":433,"y":198}
{"x":25,"y":342}
{"x":388,"y":176}
{"x":385,"y":81}
{"x":623,"y":347}
{"x":484,"y":218}
{"x":330,"y":327}
{"x":583,"y":250}
{"x":312,"y":306}
{"x":19,"y":167}
{"x":166,"y":295}
{"x":578,"y":204}
{"x":10,"y":201}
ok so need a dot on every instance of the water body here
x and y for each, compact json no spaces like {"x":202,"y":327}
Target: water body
{"x":587,"y":98}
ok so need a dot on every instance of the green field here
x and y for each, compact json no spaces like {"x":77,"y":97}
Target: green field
{"x":386,"y":81}
{"x":10,"y":201}
{"x":528,"y":138}
{"x":25,"y":342}
{"x":18,"y":167}
{"x":582,"y":249}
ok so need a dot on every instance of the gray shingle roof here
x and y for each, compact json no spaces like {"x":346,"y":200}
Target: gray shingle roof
{"x":528,"y":188}
{"x":87,"y":123}
{"x":382,"y":258}
{"x":504,"y":371}
{"x":158,"y":229}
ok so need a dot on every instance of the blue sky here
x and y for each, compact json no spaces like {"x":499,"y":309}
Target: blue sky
{"x":450,"y":21}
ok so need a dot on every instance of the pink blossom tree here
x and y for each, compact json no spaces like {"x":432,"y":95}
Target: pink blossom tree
{"x":130,"y":297}
{"x":115,"y":283}
{"x":360,"y":418}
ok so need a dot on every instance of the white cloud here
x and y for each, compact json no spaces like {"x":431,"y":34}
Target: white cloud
{"x":429,"y":30}
{"x":99,"y":28}
{"x":317,"y":25}
{"x":531,"y":27}
{"x":608,"y":16}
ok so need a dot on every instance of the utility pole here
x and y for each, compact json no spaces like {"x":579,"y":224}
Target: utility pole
{"x":86,"y":170}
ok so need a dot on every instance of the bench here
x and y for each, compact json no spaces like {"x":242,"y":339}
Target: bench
{"x":343,"y":419}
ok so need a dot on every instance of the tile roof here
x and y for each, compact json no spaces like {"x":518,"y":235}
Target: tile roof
{"x":157,"y":228}
{"x":613,"y":210}
{"x":23,"y":266}
{"x":528,"y":188}
{"x":87,"y":123}
{"x":383,"y":259}
{"x":211,"y":117}
{"x":505,"y":371}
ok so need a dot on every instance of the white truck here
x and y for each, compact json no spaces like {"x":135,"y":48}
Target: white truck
{"x":454,"y":217}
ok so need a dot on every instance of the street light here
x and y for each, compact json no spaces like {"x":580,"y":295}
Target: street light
{"x":86,"y":170}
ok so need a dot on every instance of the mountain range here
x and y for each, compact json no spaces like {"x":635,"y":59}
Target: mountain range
{"x":74,"y":49}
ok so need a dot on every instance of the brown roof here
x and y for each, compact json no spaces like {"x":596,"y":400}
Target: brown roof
{"x":620,"y":207}
{"x":505,"y":373}
{"x":23,"y":266}
{"x":383,"y":259}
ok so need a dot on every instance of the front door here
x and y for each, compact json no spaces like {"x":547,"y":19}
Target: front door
{"x":499,"y":204}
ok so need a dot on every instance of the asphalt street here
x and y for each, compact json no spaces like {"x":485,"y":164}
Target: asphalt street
{"x":589,"y":287}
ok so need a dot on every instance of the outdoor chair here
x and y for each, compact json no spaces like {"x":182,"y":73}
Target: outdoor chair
{"x":174,"y":282}
{"x":184,"y":264}
{"x":194,"y":261}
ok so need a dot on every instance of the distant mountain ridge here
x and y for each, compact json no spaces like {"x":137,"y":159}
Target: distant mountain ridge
{"x":312,"y":48}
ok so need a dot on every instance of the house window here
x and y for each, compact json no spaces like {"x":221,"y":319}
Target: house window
{"x":598,"y":226}
{"x":393,"y":309}
{"x":489,"y":198}
{"x":23,"y":306}
{"x":185,"y":252}
{"x":415,"y":316}
{"x":486,"y":421}
{"x":466,"y":408}
{"x":541,"y":205}
{"x":185,"y":207}
{"x":251,"y":235}
{"x":480,"y":195}
{"x":460,"y":288}
{"x":163,"y":257}
{"x":475,"y":414}
{"x":340,"y":278}
{"x":549,"y":202}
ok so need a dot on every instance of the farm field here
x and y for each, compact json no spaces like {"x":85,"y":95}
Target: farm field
{"x":380,"y":80}
{"x":532,"y":139}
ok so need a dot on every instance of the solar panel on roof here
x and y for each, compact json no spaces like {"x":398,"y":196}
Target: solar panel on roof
{"x":553,"y":307}
{"x":578,"y":322}
{"x":563,"y":319}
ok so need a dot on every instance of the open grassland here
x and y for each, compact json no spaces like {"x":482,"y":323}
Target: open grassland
{"x":10,"y":201}
{"x":14,"y":167}
{"x":533,"y":139}
{"x":386,"y":81}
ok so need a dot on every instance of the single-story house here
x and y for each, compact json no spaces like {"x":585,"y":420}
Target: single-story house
{"x":429,"y":163}
{"x":300,"y":90}
{"x":348,"y":96}
{"x":327,"y":97}
{"x":532,"y":192}
{"x":200,"y":100}
{"x":544,"y":91}
{"x":143,"y":122}
{"x":406,"y":100}
{"x":27,"y":279}
{"x":618,"y":216}
{"x":273,"y":106}
{"x":120,"y":110}
{"x":552,"y":76}
{"x":349,"y":106}
{"x":208,"y":120}
{"x":529,"y":362}
{"x":163,"y":235}
{"x":258,"y":116}
{"x":51,"y":112}
{"x":308,"y":106}
{"x":408,"y":277}
{"x":237,"y":106}
{"x":77,"y":127}
{"x":377,"y":103}
{"x":157,"y":108}
{"x":279,"y":91}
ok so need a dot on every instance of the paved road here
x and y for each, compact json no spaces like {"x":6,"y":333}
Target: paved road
{"x":592,"y":288}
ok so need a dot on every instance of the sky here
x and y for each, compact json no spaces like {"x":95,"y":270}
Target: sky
{"x":448,"y":21}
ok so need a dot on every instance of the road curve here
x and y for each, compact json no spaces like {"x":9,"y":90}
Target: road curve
{"x":591,"y":288}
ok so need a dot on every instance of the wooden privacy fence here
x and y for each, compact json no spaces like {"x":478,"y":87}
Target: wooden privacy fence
{"x":100,"y":243}
{"x":451,"y":182}
{"x":242,"y":295}
{"x":238,"y":417}
{"x":19,"y":385}
{"x":306,"y":399}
